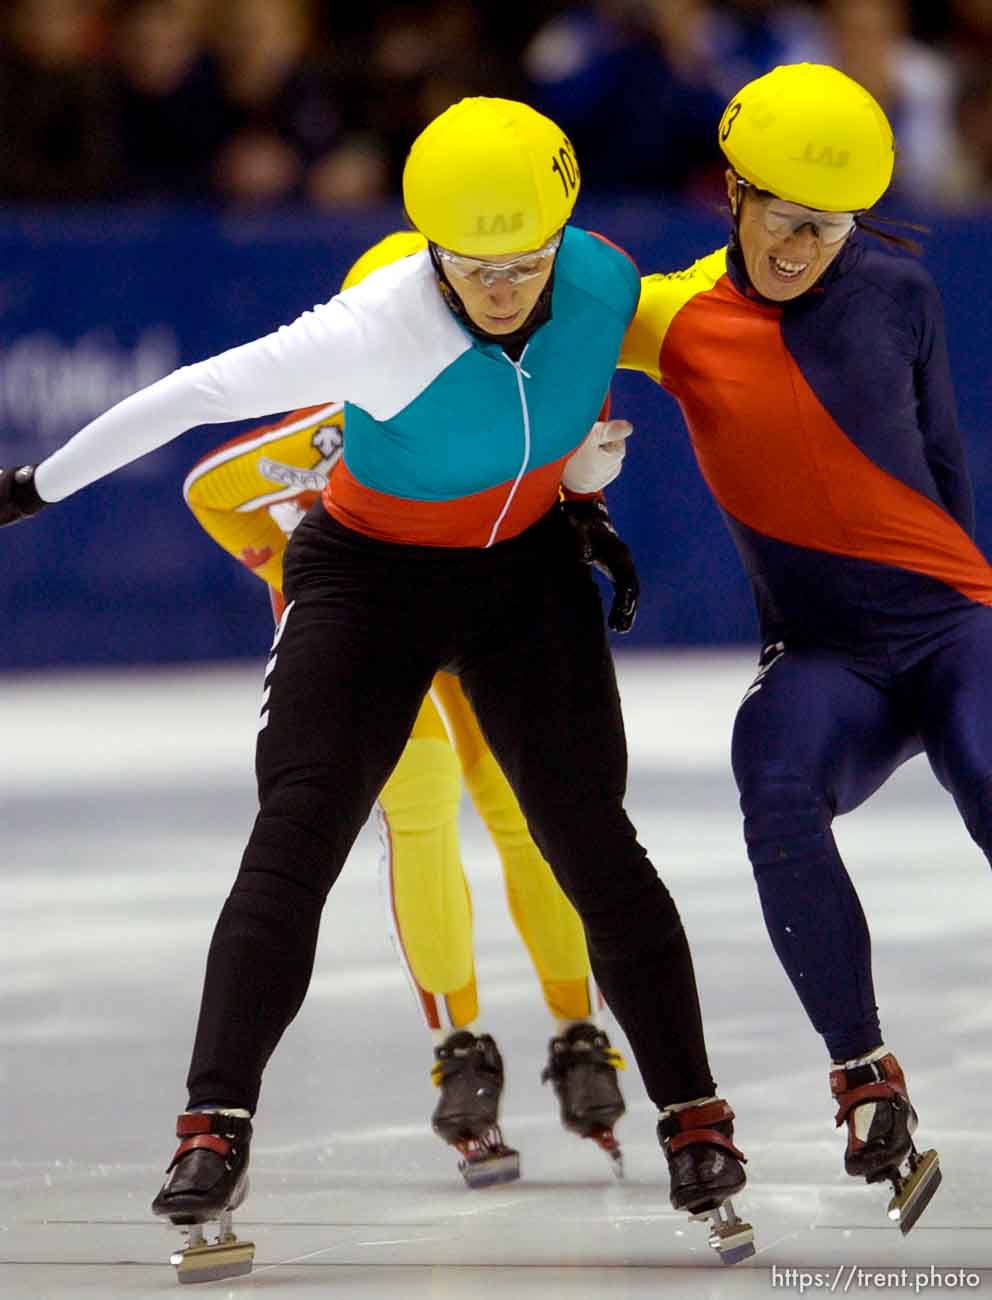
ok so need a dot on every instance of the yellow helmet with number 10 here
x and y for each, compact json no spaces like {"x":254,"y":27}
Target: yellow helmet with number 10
{"x":810,"y":134}
{"x":490,"y":177}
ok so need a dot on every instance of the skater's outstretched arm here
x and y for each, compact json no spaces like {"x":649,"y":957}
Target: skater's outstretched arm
{"x":348,"y":348}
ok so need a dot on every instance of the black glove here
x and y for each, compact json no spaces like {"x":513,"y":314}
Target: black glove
{"x":600,"y":546}
{"x":18,"y":495}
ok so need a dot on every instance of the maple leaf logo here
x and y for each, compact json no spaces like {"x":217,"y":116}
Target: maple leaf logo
{"x":255,"y":559}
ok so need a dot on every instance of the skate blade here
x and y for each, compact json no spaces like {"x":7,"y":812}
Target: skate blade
{"x":489,"y":1170}
{"x":915,"y":1191}
{"x":606,"y":1141}
{"x":730,"y":1237}
{"x":215,"y":1260}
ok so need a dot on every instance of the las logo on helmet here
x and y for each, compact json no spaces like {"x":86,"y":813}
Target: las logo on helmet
{"x":825,"y":158}
{"x":502,"y":224}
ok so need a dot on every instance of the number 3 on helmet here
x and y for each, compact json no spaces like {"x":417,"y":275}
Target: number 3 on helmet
{"x":809,"y":134}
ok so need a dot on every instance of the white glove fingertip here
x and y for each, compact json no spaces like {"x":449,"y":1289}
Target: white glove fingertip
{"x":618,"y":429}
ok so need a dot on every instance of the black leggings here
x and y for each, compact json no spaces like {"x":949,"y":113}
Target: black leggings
{"x":367,"y":626}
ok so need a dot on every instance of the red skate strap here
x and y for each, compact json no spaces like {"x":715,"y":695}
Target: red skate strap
{"x":712,"y":1112}
{"x":857,"y":1096}
{"x":708,"y":1135}
{"x":196,"y":1122}
{"x":208,"y":1141}
{"x":887,"y":1068}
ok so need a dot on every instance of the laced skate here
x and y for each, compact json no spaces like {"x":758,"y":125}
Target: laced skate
{"x":206,"y":1182}
{"x":872,"y":1100}
{"x":706,"y":1169}
{"x":469,"y":1072}
{"x":582,"y":1068}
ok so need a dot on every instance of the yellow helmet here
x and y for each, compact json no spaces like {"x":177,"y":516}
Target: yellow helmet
{"x":399,"y":244}
{"x":809,"y":134}
{"x":489,"y":177}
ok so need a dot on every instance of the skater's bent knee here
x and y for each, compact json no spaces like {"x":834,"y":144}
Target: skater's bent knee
{"x":786,"y":814}
{"x":424,"y":790}
{"x":618,"y":929}
{"x":293,"y":841}
{"x":976,"y":809}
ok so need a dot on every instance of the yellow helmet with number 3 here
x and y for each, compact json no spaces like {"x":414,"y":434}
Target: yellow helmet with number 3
{"x":490,"y":177}
{"x":810,"y":134}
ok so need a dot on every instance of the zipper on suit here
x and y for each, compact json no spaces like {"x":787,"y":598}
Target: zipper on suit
{"x":521,"y":374}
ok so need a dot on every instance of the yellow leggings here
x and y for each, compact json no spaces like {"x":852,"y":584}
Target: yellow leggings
{"x":427,"y":893}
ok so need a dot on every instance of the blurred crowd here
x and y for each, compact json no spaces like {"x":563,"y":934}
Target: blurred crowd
{"x":273,"y":101}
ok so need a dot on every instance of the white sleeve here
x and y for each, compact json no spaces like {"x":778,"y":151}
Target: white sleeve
{"x":323,"y":355}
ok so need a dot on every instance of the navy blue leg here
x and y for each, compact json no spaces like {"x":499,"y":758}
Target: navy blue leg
{"x":953,"y":691}
{"x":814,"y":738}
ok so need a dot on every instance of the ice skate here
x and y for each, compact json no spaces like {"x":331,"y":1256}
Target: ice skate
{"x":872,"y":1100}
{"x":706,"y":1169}
{"x":469,"y":1072}
{"x":582,"y":1068}
{"x":205,"y":1183}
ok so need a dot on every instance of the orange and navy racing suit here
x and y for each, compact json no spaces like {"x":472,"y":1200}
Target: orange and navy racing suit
{"x":825,"y":428}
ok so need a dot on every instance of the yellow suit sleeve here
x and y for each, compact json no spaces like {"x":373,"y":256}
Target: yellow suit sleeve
{"x":250,"y":493}
{"x":662,"y":298}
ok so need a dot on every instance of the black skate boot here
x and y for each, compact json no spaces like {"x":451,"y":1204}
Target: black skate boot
{"x":582,"y":1068}
{"x":469,"y":1072}
{"x":206,"y":1181}
{"x":873,"y":1101}
{"x":706,"y":1169}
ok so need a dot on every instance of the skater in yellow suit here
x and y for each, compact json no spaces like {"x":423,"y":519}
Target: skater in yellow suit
{"x":249,"y":495}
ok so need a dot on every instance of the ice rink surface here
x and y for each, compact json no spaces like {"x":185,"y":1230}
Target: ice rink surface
{"x":126,"y":801}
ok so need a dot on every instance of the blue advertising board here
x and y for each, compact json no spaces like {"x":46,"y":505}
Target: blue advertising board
{"x":95,"y":304}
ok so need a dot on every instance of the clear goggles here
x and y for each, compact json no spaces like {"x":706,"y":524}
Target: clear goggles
{"x":782,"y":218}
{"x":525,"y":266}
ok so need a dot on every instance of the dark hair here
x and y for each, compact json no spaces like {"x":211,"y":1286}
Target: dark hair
{"x":870,"y":223}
